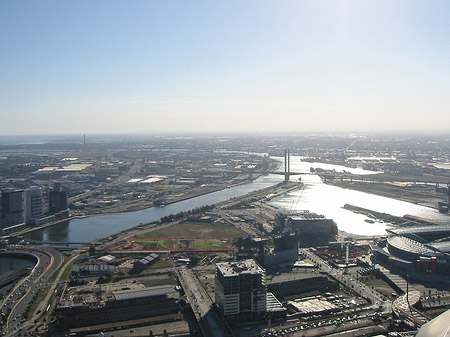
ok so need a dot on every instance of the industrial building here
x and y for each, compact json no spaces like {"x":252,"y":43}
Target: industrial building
{"x":143,"y":294}
{"x":241,"y":293}
{"x":251,"y":248}
{"x":146,"y":262}
{"x":93,"y":268}
{"x":283,"y":250}
{"x":109,"y":259}
{"x":125,"y":306}
{"x":312,"y":229}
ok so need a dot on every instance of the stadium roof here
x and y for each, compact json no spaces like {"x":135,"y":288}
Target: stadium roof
{"x":443,"y":246}
{"x":418,"y":230}
{"x":437,"y":327}
{"x":409,"y":245}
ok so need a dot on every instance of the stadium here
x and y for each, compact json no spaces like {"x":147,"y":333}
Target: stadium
{"x":424,"y":249}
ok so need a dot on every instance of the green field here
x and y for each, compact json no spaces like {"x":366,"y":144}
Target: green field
{"x":155,"y":244}
{"x":209,"y":244}
{"x":195,"y":231}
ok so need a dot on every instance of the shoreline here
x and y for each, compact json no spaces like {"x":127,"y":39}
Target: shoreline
{"x":186,"y":196}
{"x":390,"y":192}
{"x":135,"y":208}
{"x":50,"y":224}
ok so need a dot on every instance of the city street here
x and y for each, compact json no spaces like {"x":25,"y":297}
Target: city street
{"x":202,"y":305}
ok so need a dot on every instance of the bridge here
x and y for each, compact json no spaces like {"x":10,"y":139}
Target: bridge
{"x":380,"y":178}
{"x":60,"y":243}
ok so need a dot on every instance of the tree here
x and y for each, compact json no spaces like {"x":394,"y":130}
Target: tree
{"x":92,"y":250}
{"x":108,"y":277}
{"x":194,"y":260}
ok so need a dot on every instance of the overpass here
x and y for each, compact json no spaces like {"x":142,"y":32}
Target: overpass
{"x":60,"y":243}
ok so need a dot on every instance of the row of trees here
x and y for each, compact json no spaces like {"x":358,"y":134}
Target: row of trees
{"x":181,"y":215}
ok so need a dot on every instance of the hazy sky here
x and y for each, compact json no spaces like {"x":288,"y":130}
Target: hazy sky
{"x":143,"y":66}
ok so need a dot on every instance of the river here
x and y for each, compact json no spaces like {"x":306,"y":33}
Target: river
{"x":9,"y":263}
{"x":315,"y":196}
{"x":95,"y":227}
{"x":328,"y":200}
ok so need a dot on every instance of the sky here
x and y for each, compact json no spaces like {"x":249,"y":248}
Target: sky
{"x":70,"y":67}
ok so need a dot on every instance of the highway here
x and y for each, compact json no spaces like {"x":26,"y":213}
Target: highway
{"x":48,"y":261}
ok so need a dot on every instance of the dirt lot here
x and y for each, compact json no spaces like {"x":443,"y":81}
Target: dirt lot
{"x":194,"y":231}
{"x":187,"y":237}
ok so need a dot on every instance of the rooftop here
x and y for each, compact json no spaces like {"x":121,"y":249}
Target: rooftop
{"x":235,"y":268}
{"x":418,"y":230}
{"x":409,"y":245}
{"x":133,"y":294}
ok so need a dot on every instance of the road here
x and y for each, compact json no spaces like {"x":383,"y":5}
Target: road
{"x":48,"y":261}
{"x":201,"y":304}
{"x":350,"y":281}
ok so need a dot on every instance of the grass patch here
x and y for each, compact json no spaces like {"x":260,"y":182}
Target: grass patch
{"x":161,"y":264}
{"x":38,"y":298}
{"x":374,"y":282}
{"x":67,"y":271}
{"x":55,"y":274}
{"x":155,"y":244}
{"x":66,"y":274}
{"x":378,"y":284}
{"x":195,"y":231}
{"x":209,"y":244}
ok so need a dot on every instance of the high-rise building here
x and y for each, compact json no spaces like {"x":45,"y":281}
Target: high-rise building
{"x":241,"y":292}
{"x":57,"y":199}
{"x":11,"y":207}
{"x":32,"y":204}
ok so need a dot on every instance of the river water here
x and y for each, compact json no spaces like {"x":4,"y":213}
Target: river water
{"x":328,"y":200}
{"x":315,"y":196}
{"x":8,"y":263}
{"x":95,"y":227}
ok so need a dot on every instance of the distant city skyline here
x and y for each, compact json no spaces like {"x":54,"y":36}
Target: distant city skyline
{"x":224,"y":66}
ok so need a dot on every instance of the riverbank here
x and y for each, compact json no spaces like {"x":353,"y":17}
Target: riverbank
{"x":274,"y":190}
{"x":137,"y":205}
{"x":43,"y":226}
{"x":419,"y":194}
{"x":132,"y":208}
{"x":190,"y":192}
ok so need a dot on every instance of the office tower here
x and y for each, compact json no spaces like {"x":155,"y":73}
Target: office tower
{"x":57,"y":199}
{"x":241,"y":292}
{"x":32,"y":204}
{"x":11,"y":207}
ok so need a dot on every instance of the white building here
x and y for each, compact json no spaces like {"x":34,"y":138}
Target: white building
{"x":241,"y":292}
{"x":32,"y":204}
